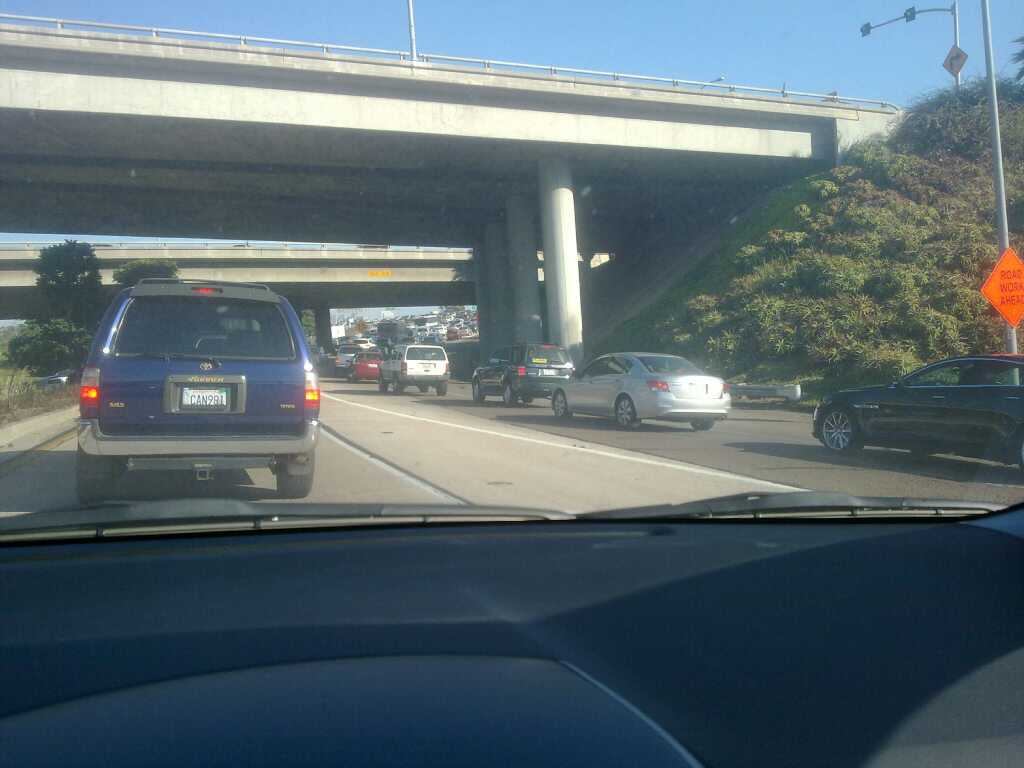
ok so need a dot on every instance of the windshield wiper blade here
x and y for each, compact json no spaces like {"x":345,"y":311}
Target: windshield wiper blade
{"x":223,"y":515}
{"x":806,"y":504}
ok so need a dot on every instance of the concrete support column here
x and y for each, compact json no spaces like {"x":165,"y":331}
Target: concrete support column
{"x":498,"y":284}
{"x":521,"y":248}
{"x":586,"y":290}
{"x":561,"y":269}
{"x":322,"y":315}
{"x":483,"y":302}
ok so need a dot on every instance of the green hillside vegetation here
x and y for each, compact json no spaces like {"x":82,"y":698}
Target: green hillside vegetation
{"x":860,"y":273}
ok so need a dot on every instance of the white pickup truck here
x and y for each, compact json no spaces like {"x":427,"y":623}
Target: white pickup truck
{"x":419,"y":365}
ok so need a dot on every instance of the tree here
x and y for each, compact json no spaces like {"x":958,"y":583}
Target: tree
{"x":1018,"y":57}
{"x":129,"y":274}
{"x":45,"y":347}
{"x":69,"y":280}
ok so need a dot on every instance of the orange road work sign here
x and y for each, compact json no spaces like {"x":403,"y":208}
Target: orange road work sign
{"x":1005,"y":287}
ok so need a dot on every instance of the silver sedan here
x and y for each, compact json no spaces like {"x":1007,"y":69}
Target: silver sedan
{"x":630,"y":386}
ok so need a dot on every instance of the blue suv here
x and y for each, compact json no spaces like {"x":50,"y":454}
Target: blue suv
{"x":198,"y":376}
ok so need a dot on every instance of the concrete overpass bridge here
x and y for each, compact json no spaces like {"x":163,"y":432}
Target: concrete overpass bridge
{"x":168,"y":133}
{"x":316,"y":277}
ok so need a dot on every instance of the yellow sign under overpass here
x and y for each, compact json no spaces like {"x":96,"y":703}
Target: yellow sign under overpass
{"x":378,"y":273}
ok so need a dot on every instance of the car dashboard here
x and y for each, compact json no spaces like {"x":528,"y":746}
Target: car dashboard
{"x":578,"y":643}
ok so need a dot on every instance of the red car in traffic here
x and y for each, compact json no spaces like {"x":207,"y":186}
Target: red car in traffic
{"x":366,"y":366}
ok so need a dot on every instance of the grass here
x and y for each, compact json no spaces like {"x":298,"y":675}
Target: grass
{"x":21,"y":399}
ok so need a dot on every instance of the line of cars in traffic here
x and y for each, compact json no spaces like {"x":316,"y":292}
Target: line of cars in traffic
{"x":205,"y":377}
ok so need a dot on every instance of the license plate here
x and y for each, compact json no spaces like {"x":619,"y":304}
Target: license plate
{"x":548,"y":372}
{"x":204,"y":399}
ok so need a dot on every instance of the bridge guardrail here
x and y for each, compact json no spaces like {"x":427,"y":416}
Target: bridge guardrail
{"x":718,"y":86}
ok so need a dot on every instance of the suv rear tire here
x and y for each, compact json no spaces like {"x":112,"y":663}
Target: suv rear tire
{"x":95,"y":477}
{"x":296,"y":486}
{"x":442,"y":389}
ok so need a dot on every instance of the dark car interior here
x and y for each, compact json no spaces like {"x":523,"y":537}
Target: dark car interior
{"x":580,"y":643}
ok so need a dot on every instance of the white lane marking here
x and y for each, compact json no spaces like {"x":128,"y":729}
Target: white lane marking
{"x":411,"y":479}
{"x":636,"y":458}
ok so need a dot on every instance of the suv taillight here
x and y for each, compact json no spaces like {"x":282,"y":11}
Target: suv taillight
{"x":89,"y":393}
{"x":521,"y":370}
{"x":312,"y":397}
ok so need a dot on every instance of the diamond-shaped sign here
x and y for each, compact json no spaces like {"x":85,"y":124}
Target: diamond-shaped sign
{"x":1005,"y":287}
{"x":955,"y":60}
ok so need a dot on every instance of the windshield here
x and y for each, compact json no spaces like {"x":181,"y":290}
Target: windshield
{"x":560,"y":257}
{"x":203,"y":326}
{"x":676,"y":366}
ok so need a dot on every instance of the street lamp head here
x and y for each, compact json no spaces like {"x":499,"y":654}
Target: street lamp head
{"x":865,"y":29}
{"x":910,"y":14}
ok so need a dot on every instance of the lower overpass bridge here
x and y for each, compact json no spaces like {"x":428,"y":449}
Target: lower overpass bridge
{"x":316,"y":277}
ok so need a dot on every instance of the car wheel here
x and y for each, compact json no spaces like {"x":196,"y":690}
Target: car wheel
{"x":702,"y":425}
{"x":508,"y":396}
{"x":478,"y":393}
{"x":95,"y":477}
{"x":382,"y":385}
{"x":442,"y":389}
{"x":422,"y":388}
{"x":526,"y":400}
{"x":625,"y":412}
{"x":560,"y":406}
{"x":296,"y":486}
{"x":839,"y":431}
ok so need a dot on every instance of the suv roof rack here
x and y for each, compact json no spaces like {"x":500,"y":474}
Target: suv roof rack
{"x":194,"y":281}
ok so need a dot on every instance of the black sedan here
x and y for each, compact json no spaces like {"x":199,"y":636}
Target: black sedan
{"x":971,"y":406}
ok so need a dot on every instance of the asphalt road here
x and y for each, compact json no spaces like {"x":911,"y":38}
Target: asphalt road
{"x":429,"y":449}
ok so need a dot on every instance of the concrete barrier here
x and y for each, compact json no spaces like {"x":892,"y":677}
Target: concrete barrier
{"x":790,"y":392}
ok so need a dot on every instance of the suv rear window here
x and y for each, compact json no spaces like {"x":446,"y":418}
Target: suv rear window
{"x":425,"y":353}
{"x":546,"y":354}
{"x":182,"y":325}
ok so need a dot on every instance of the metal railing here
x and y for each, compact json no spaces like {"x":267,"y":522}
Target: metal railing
{"x":156,"y":245}
{"x":490,"y":66}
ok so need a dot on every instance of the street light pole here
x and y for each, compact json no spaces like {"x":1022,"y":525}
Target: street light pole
{"x":956,"y":33}
{"x":412,"y":33}
{"x":998,"y":182}
{"x":911,"y":14}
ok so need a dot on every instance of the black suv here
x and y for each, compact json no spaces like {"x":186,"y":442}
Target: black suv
{"x":522,"y":372}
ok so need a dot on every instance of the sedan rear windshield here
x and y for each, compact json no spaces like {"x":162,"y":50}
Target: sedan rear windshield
{"x":199,"y":326}
{"x":669,"y":364}
{"x":368,"y":358}
{"x":546,"y":354}
{"x":350,"y":349}
{"x":425,"y":353}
